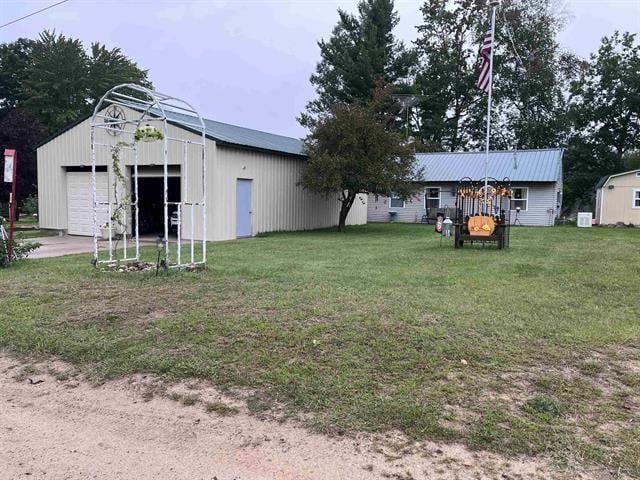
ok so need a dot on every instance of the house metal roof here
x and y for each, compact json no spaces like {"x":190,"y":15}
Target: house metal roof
{"x":225,"y":133}
{"x":544,"y":165}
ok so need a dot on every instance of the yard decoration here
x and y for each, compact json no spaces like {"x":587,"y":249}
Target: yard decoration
{"x":481,"y":225}
{"x":152,"y":112}
{"x":483,"y":213}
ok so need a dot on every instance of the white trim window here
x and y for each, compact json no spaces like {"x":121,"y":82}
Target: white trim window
{"x":520,"y":198}
{"x":432,"y":197}
{"x":636,"y":198}
{"x":396,"y":202}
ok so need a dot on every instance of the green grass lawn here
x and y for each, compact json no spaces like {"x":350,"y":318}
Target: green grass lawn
{"x":533,"y":350}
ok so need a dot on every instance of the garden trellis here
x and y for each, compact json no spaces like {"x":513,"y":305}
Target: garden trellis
{"x":153,"y":113}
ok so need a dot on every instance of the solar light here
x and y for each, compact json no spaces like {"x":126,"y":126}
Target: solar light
{"x":446,"y":227}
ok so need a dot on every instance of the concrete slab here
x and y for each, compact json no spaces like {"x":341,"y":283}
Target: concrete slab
{"x":63,"y":245}
{"x":71,"y":244}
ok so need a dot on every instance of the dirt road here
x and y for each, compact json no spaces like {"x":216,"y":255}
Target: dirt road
{"x":62,"y":427}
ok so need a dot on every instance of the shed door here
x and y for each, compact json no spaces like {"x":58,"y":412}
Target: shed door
{"x":243,"y":208}
{"x":79,"y":202}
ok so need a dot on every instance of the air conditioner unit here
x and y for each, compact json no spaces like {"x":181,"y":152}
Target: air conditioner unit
{"x":584,"y":219}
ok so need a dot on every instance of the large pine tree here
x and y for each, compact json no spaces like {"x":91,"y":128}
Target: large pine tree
{"x":361,"y":51}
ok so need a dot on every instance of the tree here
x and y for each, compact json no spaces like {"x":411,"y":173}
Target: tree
{"x":15,"y":58}
{"x":362,"y":50}
{"x":447,"y":48}
{"x":21,"y":131}
{"x":108,"y":68}
{"x":605,"y":109}
{"x":351,"y":151}
{"x":529,"y":75}
{"x":56,"y":84}
{"x":47,"y":83}
{"x":54,"y":79}
{"x":606,"y":99}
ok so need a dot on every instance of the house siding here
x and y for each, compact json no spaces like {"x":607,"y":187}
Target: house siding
{"x":542,"y":205}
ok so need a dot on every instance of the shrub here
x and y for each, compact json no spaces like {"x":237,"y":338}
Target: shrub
{"x":30,"y":205}
{"x":20,"y":249}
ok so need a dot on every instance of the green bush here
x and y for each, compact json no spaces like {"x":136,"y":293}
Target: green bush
{"x":30,"y":205}
{"x":20,"y":249}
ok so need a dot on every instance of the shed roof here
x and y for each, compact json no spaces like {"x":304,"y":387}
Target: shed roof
{"x":225,"y":133}
{"x":606,"y":178}
{"x":543,"y":165}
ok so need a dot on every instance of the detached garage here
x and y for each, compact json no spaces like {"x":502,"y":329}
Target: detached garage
{"x":252,"y":182}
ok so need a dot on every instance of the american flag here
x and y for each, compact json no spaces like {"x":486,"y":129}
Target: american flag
{"x":484,"y":80}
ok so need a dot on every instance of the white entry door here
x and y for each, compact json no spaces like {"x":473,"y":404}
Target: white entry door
{"x":80,"y":202}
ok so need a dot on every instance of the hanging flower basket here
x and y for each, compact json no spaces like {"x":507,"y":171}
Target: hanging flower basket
{"x":148,"y":133}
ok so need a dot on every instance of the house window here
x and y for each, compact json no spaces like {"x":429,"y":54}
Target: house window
{"x":395,"y":201}
{"x":519,"y":198}
{"x":432,"y":198}
{"x":636,"y":198}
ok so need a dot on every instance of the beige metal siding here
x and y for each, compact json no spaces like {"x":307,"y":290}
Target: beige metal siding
{"x":279,"y":202}
{"x":616,"y":204}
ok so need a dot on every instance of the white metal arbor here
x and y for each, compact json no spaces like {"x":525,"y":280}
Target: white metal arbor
{"x":151,"y":108}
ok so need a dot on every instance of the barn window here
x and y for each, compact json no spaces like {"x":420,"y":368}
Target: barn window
{"x":395,"y":201}
{"x":432,"y":198}
{"x":636,"y":198}
{"x":519,"y":198}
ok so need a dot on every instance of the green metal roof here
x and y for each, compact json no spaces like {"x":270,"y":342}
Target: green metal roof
{"x":543,"y":165}
{"x":233,"y":135}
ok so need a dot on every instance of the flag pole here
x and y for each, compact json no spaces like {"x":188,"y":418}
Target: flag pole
{"x":494,"y":4}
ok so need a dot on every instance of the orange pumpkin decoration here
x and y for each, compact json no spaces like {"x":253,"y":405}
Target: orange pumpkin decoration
{"x":481,"y":225}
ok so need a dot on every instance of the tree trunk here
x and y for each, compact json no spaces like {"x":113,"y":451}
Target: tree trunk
{"x":347,"y":202}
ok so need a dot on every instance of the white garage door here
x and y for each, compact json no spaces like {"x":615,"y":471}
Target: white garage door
{"x":79,"y":202}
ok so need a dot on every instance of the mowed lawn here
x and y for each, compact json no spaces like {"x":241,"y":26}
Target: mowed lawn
{"x":534,"y":350}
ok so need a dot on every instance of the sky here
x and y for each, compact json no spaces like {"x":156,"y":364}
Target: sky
{"x":248,"y":62}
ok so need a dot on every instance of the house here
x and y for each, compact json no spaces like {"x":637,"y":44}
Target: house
{"x":618,"y":198}
{"x":536,"y":181}
{"x":259,"y":170}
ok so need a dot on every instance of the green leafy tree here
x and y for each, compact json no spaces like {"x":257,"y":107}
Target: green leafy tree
{"x":108,"y":68}
{"x":22,"y":131}
{"x":605,"y":109}
{"x":352,"y":151}
{"x":447,"y":48}
{"x":48,"y":83}
{"x":55,"y":80}
{"x":529,"y":88}
{"x":55,"y":85}
{"x":362,"y":50}
{"x":15,"y":58}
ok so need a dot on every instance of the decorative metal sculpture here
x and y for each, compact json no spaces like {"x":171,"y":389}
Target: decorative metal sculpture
{"x":483,"y":212}
{"x":153,"y":111}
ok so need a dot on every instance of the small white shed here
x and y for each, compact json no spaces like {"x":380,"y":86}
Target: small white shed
{"x":252,"y":183}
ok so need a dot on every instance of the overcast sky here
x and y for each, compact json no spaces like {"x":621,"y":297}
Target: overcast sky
{"x":248,"y":62}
